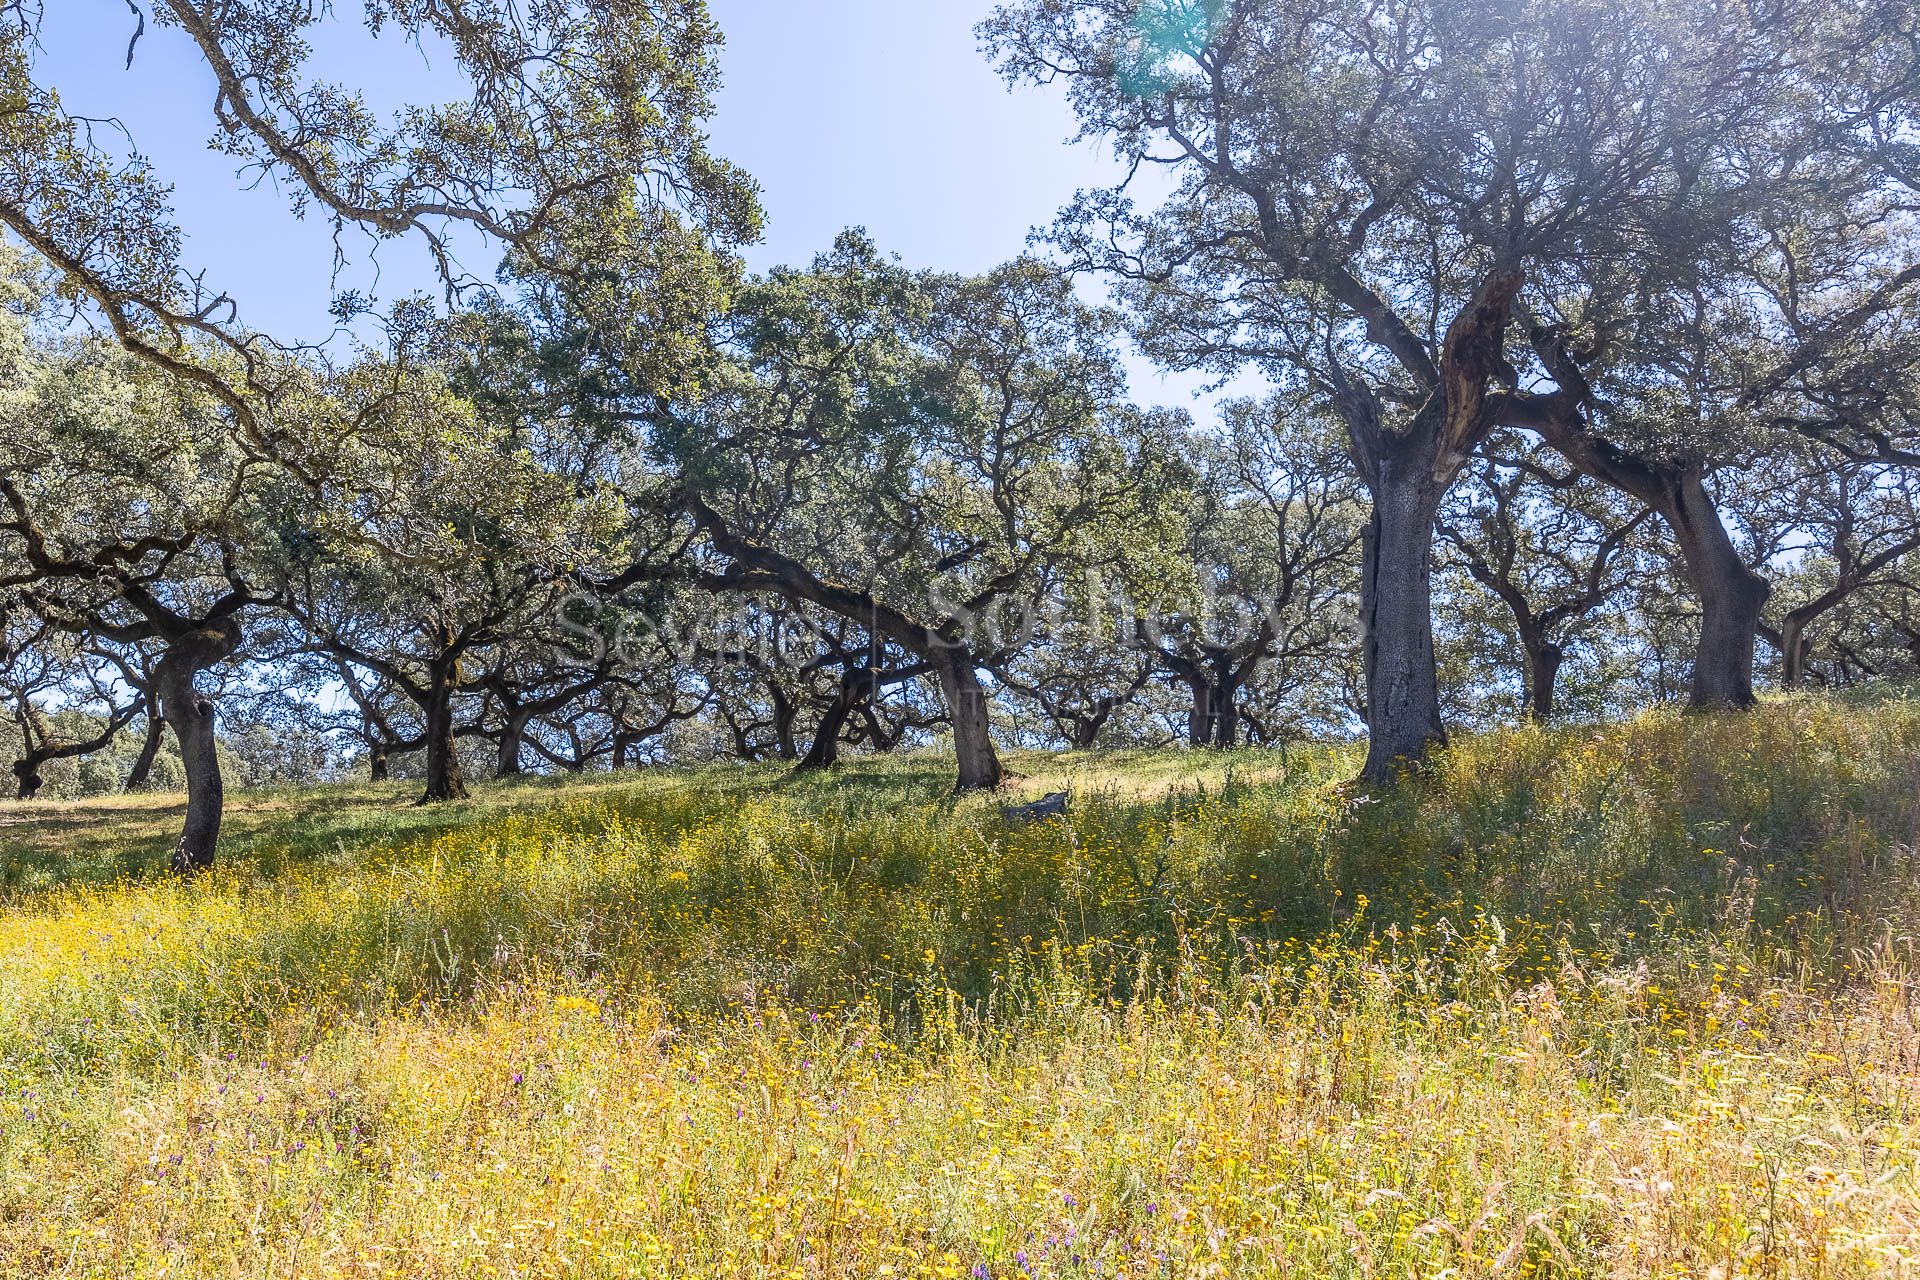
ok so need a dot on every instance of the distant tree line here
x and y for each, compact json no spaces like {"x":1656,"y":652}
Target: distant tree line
{"x":1588,"y":335}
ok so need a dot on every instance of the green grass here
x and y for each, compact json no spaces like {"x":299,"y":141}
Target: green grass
{"x":1599,"y":1001}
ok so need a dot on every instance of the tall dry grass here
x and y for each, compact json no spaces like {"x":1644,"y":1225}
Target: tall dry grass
{"x":1619,"y":1001}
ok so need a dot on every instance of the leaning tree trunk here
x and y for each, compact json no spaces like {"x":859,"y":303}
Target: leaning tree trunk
{"x":824,"y":753}
{"x":1796,"y":645}
{"x":979,"y":766}
{"x":881,"y":739}
{"x":444,"y":779}
{"x":1731,"y":596}
{"x":190,"y":715}
{"x":149,"y":750}
{"x":1396,"y":615}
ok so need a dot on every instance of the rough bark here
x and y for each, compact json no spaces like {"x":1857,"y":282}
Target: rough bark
{"x":1731,"y":595}
{"x":979,"y":765}
{"x":190,"y":715}
{"x":445,"y":780}
{"x":1407,"y":474}
{"x":513,"y":736}
{"x":1396,"y":616}
{"x":1543,"y":668}
{"x":1214,"y":720}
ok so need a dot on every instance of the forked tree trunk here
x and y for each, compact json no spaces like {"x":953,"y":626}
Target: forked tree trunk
{"x":149,"y":750}
{"x":972,"y":738}
{"x":1396,"y":616}
{"x":878,"y":737}
{"x":1214,"y":720}
{"x":1731,"y":596}
{"x":191,"y":717}
{"x":1084,"y":732}
{"x":444,"y":779}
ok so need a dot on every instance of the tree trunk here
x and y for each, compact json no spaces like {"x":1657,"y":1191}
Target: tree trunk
{"x":1396,"y":616}
{"x":379,"y":769}
{"x":879,"y":737}
{"x":149,"y":750}
{"x":28,"y":774}
{"x":1226,"y":714}
{"x":824,"y":753}
{"x":622,"y":750}
{"x":785,"y":712}
{"x":743,"y":748}
{"x":191,"y":717}
{"x":1086,"y":731}
{"x":972,"y":739}
{"x":1731,"y":596}
{"x":1543,"y":668}
{"x":1795,"y":648}
{"x":1200,"y":717}
{"x":513,"y":735}
{"x":444,"y":779}
{"x":1215,"y":718}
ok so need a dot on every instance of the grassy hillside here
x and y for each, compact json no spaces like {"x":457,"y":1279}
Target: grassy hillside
{"x":1627,"y":1001}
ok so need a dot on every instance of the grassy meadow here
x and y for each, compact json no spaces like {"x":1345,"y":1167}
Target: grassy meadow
{"x":1630,"y":1000}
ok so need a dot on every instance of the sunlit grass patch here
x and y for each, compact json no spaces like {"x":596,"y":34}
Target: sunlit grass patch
{"x":1623,"y":1000}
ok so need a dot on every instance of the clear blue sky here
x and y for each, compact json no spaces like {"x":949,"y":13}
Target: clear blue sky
{"x":880,"y":113}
